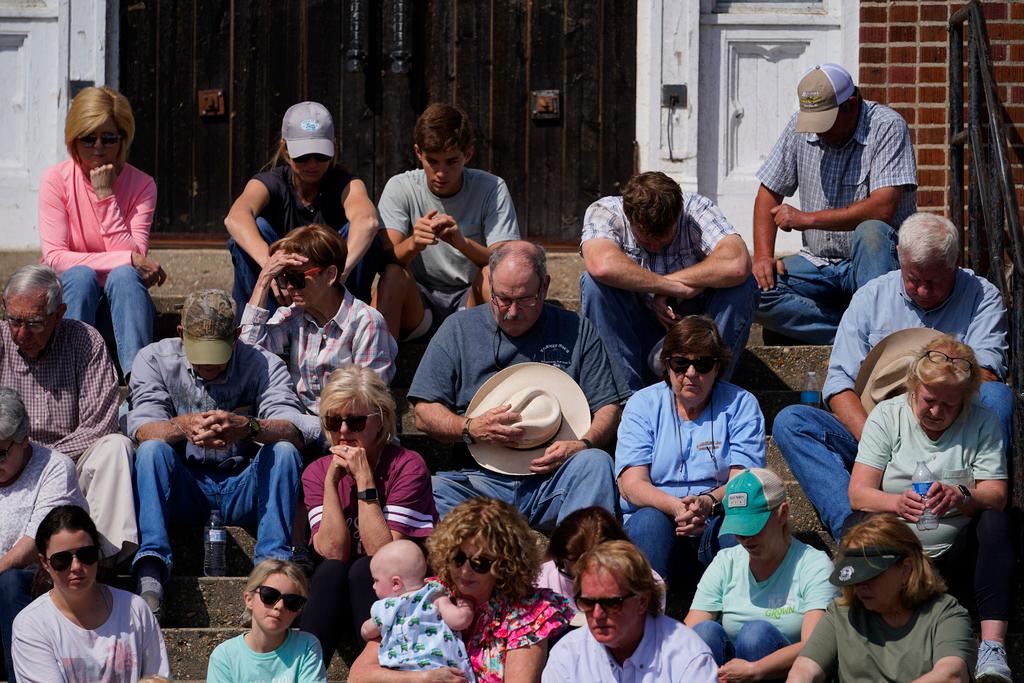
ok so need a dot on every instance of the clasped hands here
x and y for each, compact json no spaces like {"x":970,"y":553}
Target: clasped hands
{"x":691,"y":515}
{"x":434,"y":226}
{"x":497,"y":426}
{"x":216,"y":429}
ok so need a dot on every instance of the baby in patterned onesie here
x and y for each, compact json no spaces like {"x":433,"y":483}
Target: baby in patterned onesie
{"x":416,"y":620}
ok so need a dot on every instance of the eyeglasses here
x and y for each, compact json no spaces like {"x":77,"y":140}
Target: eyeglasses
{"x":32,"y":324}
{"x":296,"y":279}
{"x":269,"y":596}
{"x":504,"y":302}
{"x":610,"y":605}
{"x":319,"y":158}
{"x":105,"y":139}
{"x":961,"y":364}
{"x":356,"y":423}
{"x":87,"y":555}
{"x":481,"y":565}
{"x":680,"y":364}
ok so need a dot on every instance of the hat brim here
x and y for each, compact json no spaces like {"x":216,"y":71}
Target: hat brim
{"x":207,"y":351}
{"x":572,"y":403}
{"x":747,"y":524}
{"x":850,"y":571}
{"x":882,"y":374}
{"x":302,"y":147}
{"x":816,"y":121}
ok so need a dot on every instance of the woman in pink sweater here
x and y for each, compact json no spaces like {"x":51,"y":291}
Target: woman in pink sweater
{"x":95,"y":211}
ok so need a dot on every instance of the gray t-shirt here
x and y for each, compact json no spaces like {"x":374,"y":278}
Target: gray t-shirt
{"x":47,"y":480}
{"x":469,"y":348}
{"x":483,"y":209}
{"x":855,"y":645}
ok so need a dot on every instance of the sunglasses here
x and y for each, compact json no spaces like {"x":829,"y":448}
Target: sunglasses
{"x":87,"y":555}
{"x":296,"y":279}
{"x":105,"y":139}
{"x":680,"y":364}
{"x":319,"y":158}
{"x":563,"y":566}
{"x":356,"y":423}
{"x":610,"y":605}
{"x":269,"y":597}
{"x":961,"y":364}
{"x":481,"y":565}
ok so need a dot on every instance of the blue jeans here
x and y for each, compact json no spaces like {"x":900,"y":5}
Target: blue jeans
{"x":15,"y":594}
{"x":807,"y":302}
{"x":756,"y":640}
{"x":262,"y":494}
{"x":654,"y":533}
{"x":630,"y":329}
{"x":584,"y":480}
{"x":131,"y":309}
{"x":359,"y":282}
{"x":820,"y":451}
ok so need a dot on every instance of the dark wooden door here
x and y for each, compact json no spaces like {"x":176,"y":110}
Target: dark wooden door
{"x":486,"y":56}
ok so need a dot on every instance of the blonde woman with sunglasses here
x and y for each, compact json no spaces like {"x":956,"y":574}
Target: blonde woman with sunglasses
{"x":363,"y":494}
{"x":270,"y":651}
{"x":940,"y":422}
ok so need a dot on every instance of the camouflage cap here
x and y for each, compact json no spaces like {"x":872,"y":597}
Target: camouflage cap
{"x":208,"y":327}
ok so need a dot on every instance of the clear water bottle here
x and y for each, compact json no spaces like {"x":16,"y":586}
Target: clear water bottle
{"x":922,"y":481}
{"x":215,"y":542}
{"x":810,"y":394}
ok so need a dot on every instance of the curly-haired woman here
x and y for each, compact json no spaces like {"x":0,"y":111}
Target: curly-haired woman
{"x":485,"y":551}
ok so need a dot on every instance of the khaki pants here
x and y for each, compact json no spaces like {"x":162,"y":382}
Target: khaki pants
{"x":105,"y":477}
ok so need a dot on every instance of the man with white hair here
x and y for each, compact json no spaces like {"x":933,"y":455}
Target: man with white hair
{"x":67,"y":380}
{"x":928,"y":290}
{"x":853,"y":162}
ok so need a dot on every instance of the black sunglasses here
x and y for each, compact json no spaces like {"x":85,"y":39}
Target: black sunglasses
{"x":293,"y":602}
{"x":296,"y":279}
{"x":87,"y":555}
{"x":106,"y":139}
{"x":680,"y":364}
{"x":481,"y":565}
{"x":356,"y":423}
{"x":610,"y":605}
{"x":321,"y":158}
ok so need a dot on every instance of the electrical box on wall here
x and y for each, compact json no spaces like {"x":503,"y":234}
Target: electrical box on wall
{"x":673,"y":96}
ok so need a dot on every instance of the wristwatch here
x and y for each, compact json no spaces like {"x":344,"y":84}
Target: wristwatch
{"x":369,"y":495}
{"x":467,"y":438}
{"x":966,"y":493}
{"x":254,"y":427}
{"x":716,"y":505}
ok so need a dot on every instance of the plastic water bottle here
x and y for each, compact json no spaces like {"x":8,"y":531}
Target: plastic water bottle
{"x":215,"y":541}
{"x":922,"y":481}
{"x":810,"y":394}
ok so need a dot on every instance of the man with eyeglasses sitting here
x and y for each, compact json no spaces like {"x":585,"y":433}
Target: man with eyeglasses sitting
{"x":654,"y":255}
{"x":928,"y":291}
{"x":219,"y":425}
{"x":62,"y":370}
{"x":627,"y":638}
{"x":518,"y":327}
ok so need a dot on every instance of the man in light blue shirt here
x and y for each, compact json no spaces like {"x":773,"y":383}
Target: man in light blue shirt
{"x":627,"y":638}
{"x":929,"y":290}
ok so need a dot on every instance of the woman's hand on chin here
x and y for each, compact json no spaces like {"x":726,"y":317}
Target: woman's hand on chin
{"x":102,"y":179}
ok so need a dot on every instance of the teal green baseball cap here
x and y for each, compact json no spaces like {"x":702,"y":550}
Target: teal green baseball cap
{"x":750,"y":498}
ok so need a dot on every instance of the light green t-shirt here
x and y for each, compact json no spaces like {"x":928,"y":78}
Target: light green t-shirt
{"x":297,"y":660}
{"x":799,"y":585}
{"x":854,"y":645}
{"x":893,"y":441}
{"x":483,"y":209}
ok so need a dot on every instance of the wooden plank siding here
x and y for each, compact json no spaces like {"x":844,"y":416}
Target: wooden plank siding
{"x":485,"y":55}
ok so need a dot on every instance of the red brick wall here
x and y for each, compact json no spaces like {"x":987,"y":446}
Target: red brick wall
{"x":903,"y":64}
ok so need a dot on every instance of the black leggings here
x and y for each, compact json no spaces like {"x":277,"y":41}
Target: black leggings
{"x":338,"y":592}
{"x":987,"y":539}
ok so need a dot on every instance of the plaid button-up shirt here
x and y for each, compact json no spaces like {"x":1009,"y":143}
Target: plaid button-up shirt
{"x":701,"y":227}
{"x":70,"y":390}
{"x":356,"y":334}
{"x":879,"y":154}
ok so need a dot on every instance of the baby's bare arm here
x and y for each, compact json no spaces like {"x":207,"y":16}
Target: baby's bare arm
{"x":369,"y":630}
{"x":458,"y":614}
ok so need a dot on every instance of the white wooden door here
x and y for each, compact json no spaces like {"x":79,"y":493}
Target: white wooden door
{"x":752,"y":55}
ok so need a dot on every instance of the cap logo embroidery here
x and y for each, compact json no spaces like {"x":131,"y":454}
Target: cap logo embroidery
{"x":845,"y":573}
{"x":811,"y":98}
{"x":737,"y":500}
{"x":310,"y":125}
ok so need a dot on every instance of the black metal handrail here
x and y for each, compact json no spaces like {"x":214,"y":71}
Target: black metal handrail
{"x":994,"y":242}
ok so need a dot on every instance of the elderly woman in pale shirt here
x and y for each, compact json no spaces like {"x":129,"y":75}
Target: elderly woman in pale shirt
{"x":325,"y":327}
{"x":940,"y":422}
